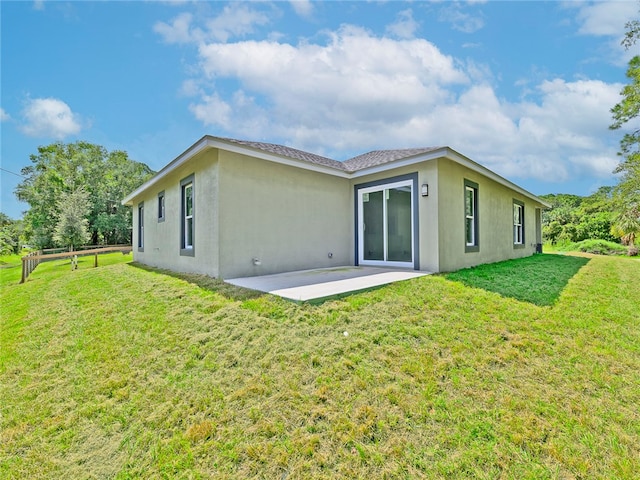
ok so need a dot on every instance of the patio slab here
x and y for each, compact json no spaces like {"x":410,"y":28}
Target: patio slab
{"x":306,"y":285}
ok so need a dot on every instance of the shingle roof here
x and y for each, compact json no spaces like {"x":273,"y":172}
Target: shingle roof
{"x":378,"y":157}
{"x":366,"y":160}
{"x":288,"y":152}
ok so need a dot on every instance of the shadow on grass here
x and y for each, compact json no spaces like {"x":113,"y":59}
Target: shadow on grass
{"x":538,"y":279}
{"x":206,"y":282}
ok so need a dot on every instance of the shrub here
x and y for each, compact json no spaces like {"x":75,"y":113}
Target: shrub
{"x":598,"y":247}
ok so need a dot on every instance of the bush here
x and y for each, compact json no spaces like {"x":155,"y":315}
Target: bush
{"x":598,"y":247}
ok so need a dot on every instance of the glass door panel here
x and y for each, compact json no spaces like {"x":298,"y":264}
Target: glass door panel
{"x":399,"y":224}
{"x":385,"y":219}
{"x":373,"y":221}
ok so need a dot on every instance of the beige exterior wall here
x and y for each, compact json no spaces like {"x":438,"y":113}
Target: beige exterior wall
{"x":495,"y":210}
{"x":162,"y":239}
{"x":286,"y":217}
{"x":292,"y":219}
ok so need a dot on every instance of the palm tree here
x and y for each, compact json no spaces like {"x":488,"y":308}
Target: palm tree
{"x":626,"y":225}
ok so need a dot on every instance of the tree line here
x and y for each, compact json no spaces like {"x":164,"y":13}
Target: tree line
{"x":74,"y":192}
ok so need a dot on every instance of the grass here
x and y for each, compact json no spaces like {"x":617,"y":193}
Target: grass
{"x":538,"y":279}
{"x":125,"y":372}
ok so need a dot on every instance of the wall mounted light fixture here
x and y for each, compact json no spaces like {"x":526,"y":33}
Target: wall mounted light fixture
{"x":425,"y":190}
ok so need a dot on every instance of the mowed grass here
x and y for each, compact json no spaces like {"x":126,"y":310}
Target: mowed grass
{"x":539,"y":279}
{"x":125,"y":372}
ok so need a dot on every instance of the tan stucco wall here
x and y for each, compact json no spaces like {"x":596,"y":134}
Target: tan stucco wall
{"x":162,"y":239}
{"x":291,"y":218}
{"x":427,"y":209}
{"x":495,"y":209}
{"x":287,"y":217}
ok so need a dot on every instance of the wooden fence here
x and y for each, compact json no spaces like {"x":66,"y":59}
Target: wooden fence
{"x":31,"y":261}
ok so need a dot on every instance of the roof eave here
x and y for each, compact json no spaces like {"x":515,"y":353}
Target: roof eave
{"x":451,"y":154}
{"x":209,"y":141}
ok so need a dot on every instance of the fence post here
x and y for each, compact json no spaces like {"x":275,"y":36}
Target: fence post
{"x":24,"y":269}
{"x":95,"y":261}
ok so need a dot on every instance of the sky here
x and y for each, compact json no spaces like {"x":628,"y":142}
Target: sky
{"x":524,"y":88}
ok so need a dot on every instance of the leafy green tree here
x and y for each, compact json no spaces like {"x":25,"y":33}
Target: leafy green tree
{"x":62,"y":168}
{"x":72,"y":228}
{"x":10,"y":235}
{"x":573,"y":218}
{"x":627,"y":219}
{"x":624,"y":112}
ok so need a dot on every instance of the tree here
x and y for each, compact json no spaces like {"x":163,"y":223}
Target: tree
{"x":627,"y":110}
{"x":10,"y":235}
{"x":72,"y":228}
{"x":626,"y":225}
{"x":60,"y":168}
{"x":628,"y":217}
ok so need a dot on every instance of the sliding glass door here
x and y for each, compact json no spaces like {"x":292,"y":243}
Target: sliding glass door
{"x":385,"y":225}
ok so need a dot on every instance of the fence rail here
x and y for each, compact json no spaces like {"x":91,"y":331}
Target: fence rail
{"x":29,"y":264}
{"x":31,"y":261}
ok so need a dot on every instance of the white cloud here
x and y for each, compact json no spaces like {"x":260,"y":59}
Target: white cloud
{"x":304,"y":8}
{"x":606,"y":18}
{"x":4,"y":116}
{"x":460,"y":20}
{"x":49,"y":117}
{"x":179,"y":30}
{"x":404,"y":26}
{"x":235,"y":20}
{"x":356,"y":92}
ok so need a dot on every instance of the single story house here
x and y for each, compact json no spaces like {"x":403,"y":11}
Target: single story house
{"x":231,"y":208}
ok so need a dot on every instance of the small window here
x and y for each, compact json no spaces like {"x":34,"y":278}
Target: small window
{"x":141,"y":227}
{"x":161,"y":207}
{"x":518,"y":223}
{"x":187,"y":233}
{"x":471,"y":216}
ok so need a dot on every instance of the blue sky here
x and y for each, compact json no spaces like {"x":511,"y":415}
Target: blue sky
{"x":524,"y":88}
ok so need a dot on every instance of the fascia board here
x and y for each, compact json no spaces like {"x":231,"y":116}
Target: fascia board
{"x":212,"y":142}
{"x":180,"y":160}
{"x":470,"y":164}
{"x":449,"y":154}
{"x":314,"y":167}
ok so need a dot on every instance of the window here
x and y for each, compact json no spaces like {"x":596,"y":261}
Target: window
{"x":161,"y":206}
{"x":518,"y":223}
{"x":187,"y":234}
{"x":141,"y":227}
{"x":471,"y":216}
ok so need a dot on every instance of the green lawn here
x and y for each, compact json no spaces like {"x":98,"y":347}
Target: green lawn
{"x":127,"y":372}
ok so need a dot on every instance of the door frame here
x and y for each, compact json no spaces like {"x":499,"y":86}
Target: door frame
{"x":412,"y":179}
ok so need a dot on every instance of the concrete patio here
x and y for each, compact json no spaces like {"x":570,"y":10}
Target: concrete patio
{"x":307,"y":285}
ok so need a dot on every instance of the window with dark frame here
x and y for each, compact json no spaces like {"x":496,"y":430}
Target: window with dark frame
{"x":141,"y":227}
{"x":518,"y":223}
{"x":471,"y":216}
{"x":187,"y":230}
{"x":161,"y":206}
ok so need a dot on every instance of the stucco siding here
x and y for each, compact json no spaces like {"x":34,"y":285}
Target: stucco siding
{"x":495,"y":219}
{"x":162,"y":238}
{"x":285,"y":217}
